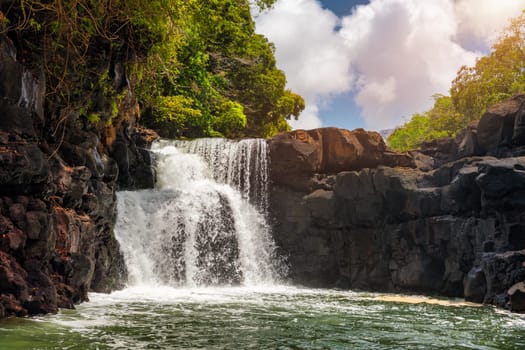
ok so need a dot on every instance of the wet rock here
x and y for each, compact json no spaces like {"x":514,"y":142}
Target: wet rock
{"x":475,"y":285}
{"x":321,"y":204}
{"x":80,"y":277}
{"x":12,"y":305}
{"x":135,"y":170}
{"x":517,"y":297}
{"x":36,"y":224}
{"x":42,"y":297}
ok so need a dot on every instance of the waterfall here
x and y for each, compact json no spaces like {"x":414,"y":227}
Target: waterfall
{"x":242,"y":165}
{"x":205,"y":222}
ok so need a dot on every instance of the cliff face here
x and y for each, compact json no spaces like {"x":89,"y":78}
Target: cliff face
{"x":449,"y":220}
{"x":57,"y":194}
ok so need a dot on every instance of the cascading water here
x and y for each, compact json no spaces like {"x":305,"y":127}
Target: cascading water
{"x":205,"y":222}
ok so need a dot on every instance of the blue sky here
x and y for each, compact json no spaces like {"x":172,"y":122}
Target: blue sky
{"x":341,"y":111}
{"x":376,"y":64}
{"x":342,"y":7}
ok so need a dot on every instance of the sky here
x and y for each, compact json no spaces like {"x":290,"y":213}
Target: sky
{"x":374,"y":63}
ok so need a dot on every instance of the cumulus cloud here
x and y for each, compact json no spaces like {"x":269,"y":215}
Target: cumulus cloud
{"x":310,"y":51}
{"x":392,"y":54}
{"x":480,"y":22}
{"x":404,"y":51}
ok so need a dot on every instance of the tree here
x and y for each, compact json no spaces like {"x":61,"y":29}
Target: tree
{"x":495,"y":77}
{"x":183,"y":58}
{"x":223,"y":62}
{"x":410,"y":135}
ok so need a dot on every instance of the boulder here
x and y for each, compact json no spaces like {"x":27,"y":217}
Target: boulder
{"x":442,"y":150}
{"x":467,"y":141}
{"x":518,"y":135}
{"x":496,"y":127}
{"x":517,"y":297}
{"x":297,"y":155}
{"x":475,"y":285}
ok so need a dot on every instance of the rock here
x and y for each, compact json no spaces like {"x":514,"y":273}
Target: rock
{"x":442,"y":150}
{"x":502,"y":181}
{"x":447,"y":219}
{"x":42,"y":297}
{"x":36,"y":224}
{"x":57,"y":200}
{"x":300,"y":153}
{"x":518,"y":135}
{"x":475,"y":285}
{"x":82,"y":271}
{"x":467,"y":142}
{"x":22,"y":167}
{"x":12,"y":305}
{"x":144,"y":138}
{"x":321,"y":204}
{"x":12,"y":277}
{"x":134,"y":163}
{"x":496,"y":126}
{"x":517,"y":297}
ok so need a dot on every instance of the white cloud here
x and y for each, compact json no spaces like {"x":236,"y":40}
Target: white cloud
{"x":480,"y":22}
{"x":404,"y":51}
{"x":393,"y":54}
{"x":310,"y":51}
{"x":309,"y":118}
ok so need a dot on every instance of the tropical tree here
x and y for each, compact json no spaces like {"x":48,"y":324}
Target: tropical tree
{"x":493,"y":78}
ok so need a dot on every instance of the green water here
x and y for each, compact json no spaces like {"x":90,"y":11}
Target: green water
{"x":263,"y":318}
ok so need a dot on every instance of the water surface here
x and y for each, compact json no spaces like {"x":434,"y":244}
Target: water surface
{"x":264,"y":318}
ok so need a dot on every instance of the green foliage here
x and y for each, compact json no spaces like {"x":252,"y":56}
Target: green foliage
{"x":494,"y":78}
{"x":93,"y":118}
{"x":222,"y":62}
{"x":411,"y":134}
{"x":173,"y":115}
{"x":183,"y":58}
{"x":230,"y":119}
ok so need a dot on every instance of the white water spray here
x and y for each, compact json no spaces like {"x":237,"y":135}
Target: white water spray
{"x":205,"y":222}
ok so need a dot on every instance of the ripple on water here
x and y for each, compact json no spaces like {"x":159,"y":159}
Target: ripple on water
{"x":269,"y":317}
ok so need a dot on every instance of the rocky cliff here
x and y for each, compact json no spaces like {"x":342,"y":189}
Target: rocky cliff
{"x":57,"y":191}
{"x":446,"y":220}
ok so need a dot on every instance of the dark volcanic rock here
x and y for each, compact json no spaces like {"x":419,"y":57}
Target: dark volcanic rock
{"x":57,"y":193}
{"x":517,"y":297}
{"x":457,"y":229}
{"x":496,"y":127}
{"x":134,"y":162}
